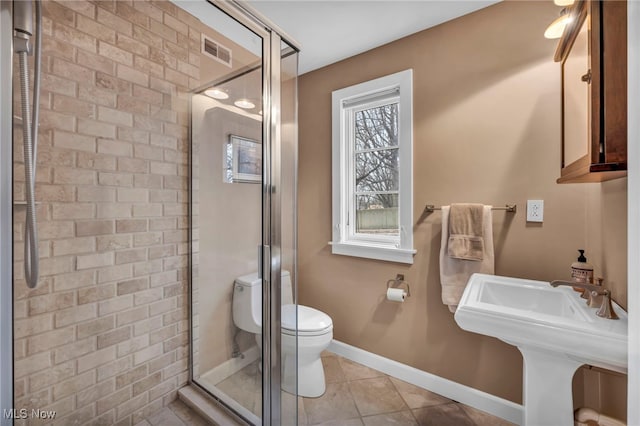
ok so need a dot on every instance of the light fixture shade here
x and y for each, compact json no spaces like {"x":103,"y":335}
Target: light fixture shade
{"x":556,"y":28}
{"x":244,"y":104}
{"x":216,"y":93}
{"x":564,"y":2}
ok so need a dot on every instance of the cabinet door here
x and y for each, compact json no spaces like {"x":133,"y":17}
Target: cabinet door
{"x":593,"y":55}
{"x":576,"y":105}
{"x":612,"y":17}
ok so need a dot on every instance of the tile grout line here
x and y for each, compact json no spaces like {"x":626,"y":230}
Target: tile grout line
{"x":355,"y":404}
{"x":349,"y":388}
{"x":465,"y":413}
{"x":413,"y":416}
{"x":345,"y":381}
{"x":385,"y":376}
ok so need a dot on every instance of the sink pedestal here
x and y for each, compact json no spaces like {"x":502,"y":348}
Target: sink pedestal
{"x":555,"y":331}
{"x":547,"y":390}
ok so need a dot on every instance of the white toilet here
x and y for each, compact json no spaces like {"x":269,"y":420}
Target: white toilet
{"x":315,"y":331}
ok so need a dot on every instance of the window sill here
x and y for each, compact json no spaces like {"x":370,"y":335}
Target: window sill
{"x":370,"y":251}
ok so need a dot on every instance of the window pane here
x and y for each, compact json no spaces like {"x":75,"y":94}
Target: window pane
{"x":377,"y":127}
{"x":377,"y":214}
{"x":377,"y":171}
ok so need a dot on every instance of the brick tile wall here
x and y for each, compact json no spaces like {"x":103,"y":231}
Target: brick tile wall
{"x":104,"y":338}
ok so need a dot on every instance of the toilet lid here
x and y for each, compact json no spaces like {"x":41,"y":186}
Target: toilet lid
{"x":309,"y":319}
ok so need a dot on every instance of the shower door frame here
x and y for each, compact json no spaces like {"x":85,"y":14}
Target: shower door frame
{"x":272,"y":38}
{"x":6,"y":212}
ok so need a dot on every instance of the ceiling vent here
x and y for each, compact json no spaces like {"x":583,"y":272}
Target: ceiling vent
{"x":216,"y":51}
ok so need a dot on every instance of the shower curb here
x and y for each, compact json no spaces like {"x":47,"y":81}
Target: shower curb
{"x":206,"y":408}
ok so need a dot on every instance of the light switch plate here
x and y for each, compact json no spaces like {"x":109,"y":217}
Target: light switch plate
{"x":535,"y":210}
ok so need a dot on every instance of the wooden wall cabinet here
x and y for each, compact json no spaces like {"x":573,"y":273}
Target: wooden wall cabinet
{"x":593,"y":52}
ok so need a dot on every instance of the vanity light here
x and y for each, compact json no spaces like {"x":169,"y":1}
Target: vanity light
{"x":244,"y":104}
{"x":564,"y":2}
{"x":216,"y":93}
{"x":557,"y":27}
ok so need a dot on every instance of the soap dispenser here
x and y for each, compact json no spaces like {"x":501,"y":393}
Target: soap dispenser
{"x":581,"y":271}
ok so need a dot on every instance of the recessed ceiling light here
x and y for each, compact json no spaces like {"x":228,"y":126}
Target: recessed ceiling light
{"x":564,"y":2}
{"x":216,"y":93}
{"x":244,"y":104}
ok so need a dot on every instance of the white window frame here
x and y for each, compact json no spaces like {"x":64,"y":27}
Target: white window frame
{"x":346,"y":102}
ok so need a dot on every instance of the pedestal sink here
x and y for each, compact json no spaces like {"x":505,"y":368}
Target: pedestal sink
{"x":555,"y":331}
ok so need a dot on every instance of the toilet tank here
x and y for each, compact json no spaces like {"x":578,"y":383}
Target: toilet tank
{"x":287,"y":288}
{"x":247,"y":300}
{"x":247,"y":303}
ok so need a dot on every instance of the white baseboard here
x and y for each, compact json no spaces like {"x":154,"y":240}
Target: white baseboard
{"x":231,"y":366}
{"x":477,"y":399}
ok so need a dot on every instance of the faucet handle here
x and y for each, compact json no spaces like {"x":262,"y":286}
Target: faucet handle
{"x":595,"y":297}
{"x":606,"y":308}
{"x":587,"y":294}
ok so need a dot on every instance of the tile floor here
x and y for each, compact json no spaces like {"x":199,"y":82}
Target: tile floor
{"x":245,"y":387}
{"x":360,"y":396}
{"x":175,"y":414}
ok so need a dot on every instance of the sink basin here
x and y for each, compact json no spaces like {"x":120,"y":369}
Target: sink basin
{"x":555,"y":331}
{"x":528,"y":298}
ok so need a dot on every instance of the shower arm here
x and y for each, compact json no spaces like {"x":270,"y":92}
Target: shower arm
{"x":23,"y":30}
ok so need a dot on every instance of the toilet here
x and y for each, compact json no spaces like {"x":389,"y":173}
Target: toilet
{"x":315,"y":331}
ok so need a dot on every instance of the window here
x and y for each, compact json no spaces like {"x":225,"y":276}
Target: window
{"x":373,"y":169}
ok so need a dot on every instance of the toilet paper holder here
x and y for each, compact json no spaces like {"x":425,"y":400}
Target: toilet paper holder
{"x":398,"y":282}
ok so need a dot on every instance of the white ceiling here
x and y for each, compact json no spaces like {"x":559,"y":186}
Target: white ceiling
{"x":331,"y":30}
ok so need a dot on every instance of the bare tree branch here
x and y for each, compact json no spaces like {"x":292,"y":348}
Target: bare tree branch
{"x":377,"y":170}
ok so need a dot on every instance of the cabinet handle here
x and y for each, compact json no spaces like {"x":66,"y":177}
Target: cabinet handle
{"x":587,"y":77}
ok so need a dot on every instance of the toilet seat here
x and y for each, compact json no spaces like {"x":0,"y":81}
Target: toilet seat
{"x":311,"y":322}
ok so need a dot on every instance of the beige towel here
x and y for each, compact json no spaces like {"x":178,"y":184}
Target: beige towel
{"x":465,"y":231}
{"x":454,"y":273}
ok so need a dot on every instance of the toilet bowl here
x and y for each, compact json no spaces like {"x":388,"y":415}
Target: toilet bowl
{"x":315,"y":332}
{"x":303,"y":343}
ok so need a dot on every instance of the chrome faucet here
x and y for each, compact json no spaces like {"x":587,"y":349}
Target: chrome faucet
{"x":605,"y":310}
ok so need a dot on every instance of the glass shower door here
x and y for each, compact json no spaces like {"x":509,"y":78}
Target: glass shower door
{"x":243,"y":242}
{"x":227,"y":146}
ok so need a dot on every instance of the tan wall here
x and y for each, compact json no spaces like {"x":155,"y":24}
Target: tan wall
{"x":607,"y":234}
{"x":607,"y":244}
{"x":289,"y":170}
{"x":487,"y":130}
{"x":103,"y":339}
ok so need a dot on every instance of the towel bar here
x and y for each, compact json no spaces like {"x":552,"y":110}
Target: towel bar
{"x":509,"y":208}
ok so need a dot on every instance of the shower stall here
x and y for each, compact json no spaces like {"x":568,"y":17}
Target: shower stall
{"x":243,"y":204}
{"x":166,"y":170}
